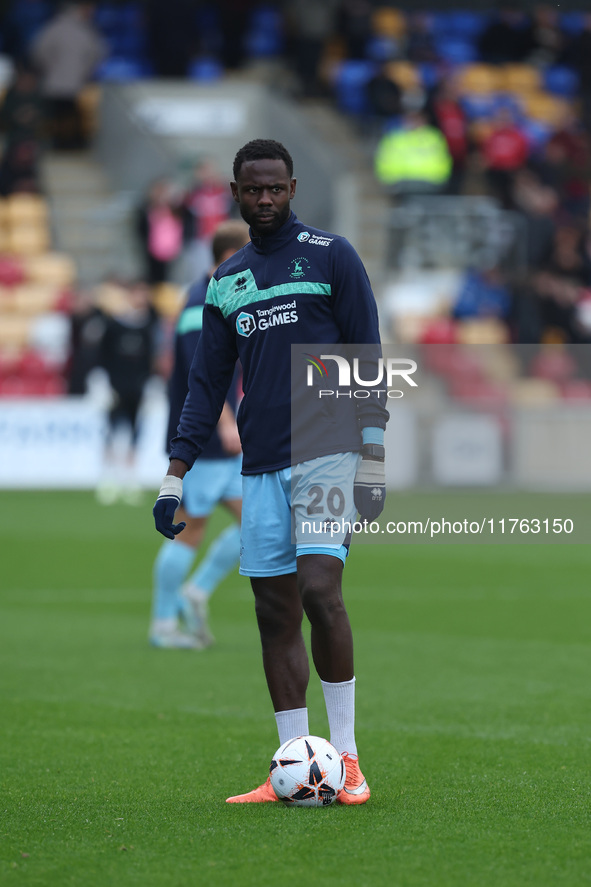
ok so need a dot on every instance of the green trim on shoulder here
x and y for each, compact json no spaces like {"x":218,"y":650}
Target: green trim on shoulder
{"x":191,"y":320}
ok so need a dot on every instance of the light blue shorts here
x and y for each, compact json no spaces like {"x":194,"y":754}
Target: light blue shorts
{"x":295,"y":511}
{"x":211,"y":481}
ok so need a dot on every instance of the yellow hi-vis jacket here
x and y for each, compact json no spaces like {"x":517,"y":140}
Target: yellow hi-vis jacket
{"x":418,"y":155}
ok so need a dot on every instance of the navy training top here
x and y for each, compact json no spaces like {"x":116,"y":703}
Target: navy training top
{"x":298,"y":285}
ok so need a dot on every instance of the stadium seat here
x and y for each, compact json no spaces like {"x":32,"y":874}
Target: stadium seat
{"x":206,"y":70}
{"x":562,"y":81}
{"x":120,"y":69}
{"x":545,"y":108}
{"x":34,"y":298}
{"x":57,"y":269}
{"x":466,"y":24}
{"x":12,"y":270}
{"x":533,"y":392}
{"x":455,"y":50}
{"x":25,"y":209}
{"x":28,"y":239}
{"x":388,"y":22}
{"x":264,"y":35}
{"x":167,"y":300}
{"x":536,"y":131}
{"x":576,"y":389}
{"x":520,"y":79}
{"x":429,"y":74}
{"x":14,"y":330}
{"x":482,"y":331}
{"x":479,"y":105}
{"x":405,"y":74}
{"x":479,"y":78}
{"x":572,"y":23}
{"x":351,"y":79}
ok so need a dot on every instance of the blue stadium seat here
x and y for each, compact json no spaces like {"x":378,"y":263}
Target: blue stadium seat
{"x":455,"y":51}
{"x":478,"y":106}
{"x":264,"y":36}
{"x":429,"y":74}
{"x":562,"y":81}
{"x":350,"y":85}
{"x":536,"y":132}
{"x":121,"y":68}
{"x":207,"y":69}
{"x":466,"y":24}
{"x":381,"y":49}
{"x":572,"y":23}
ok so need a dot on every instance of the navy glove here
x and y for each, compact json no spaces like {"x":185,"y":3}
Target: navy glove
{"x":169,"y":499}
{"x":369,"y":490}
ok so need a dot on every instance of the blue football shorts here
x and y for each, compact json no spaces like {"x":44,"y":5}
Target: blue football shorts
{"x":210,"y":481}
{"x":295,"y":511}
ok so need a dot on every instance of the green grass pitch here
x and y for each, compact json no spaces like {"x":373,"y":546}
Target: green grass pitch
{"x":473,"y":666}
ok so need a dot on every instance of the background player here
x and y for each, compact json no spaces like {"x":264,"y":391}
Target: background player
{"x":214,"y":478}
{"x":330,"y":302}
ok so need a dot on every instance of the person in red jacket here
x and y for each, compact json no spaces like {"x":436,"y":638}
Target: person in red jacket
{"x":503,"y":152}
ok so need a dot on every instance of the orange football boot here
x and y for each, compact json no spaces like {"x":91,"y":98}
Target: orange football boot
{"x":261,"y":795}
{"x":355,"y":789}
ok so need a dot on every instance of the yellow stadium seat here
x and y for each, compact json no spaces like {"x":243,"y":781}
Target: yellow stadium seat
{"x":520,"y":78}
{"x":14,"y":330}
{"x":35,"y":298}
{"x":168,"y":299}
{"x":533,"y":392}
{"x":482,"y":79}
{"x":56,"y":268}
{"x":21,"y":208}
{"x":487,"y":331}
{"x":387,"y":22}
{"x":28,"y":239}
{"x":546,"y":108}
{"x":405,"y":74}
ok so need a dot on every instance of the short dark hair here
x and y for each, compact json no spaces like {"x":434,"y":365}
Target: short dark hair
{"x":262,"y":149}
{"x":229,"y":235}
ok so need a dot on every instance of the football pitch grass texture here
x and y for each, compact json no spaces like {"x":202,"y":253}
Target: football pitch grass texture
{"x":474,"y":691}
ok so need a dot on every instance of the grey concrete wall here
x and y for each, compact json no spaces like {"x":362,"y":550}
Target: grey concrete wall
{"x":149,"y":129}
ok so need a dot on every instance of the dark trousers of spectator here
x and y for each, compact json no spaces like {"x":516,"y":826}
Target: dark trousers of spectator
{"x":66,"y":126}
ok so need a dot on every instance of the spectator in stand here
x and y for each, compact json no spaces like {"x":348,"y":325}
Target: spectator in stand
{"x":560,"y":285}
{"x":538,"y":204}
{"x":21,"y":119}
{"x":482,"y":293}
{"x":565,"y":165}
{"x":205,"y":206}
{"x":384,"y":96}
{"x":579,"y":55}
{"x":420,"y":46}
{"x":66,"y":53}
{"x":413,"y":159}
{"x":160,"y":231}
{"x":504,"y":151}
{"x":506,"y":39}
{"x":309,"y":24}
{"x":171,"y":29}
{"x":448,"y":115}
{"x":547,"y":43}
{"x":353,"y":25}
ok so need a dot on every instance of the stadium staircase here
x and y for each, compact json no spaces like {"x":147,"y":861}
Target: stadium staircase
{"x":91,"y":221}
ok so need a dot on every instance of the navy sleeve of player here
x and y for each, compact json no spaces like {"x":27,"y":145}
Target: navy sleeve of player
{"x":209,"y":379}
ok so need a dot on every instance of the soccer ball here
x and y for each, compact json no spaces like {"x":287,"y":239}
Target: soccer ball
{"x":307,"y":772}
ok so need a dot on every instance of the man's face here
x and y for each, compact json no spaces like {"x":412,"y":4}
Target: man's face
{"x":263,"y":192}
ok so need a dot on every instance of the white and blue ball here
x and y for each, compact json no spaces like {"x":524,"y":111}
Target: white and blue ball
{"x":307,"y":772}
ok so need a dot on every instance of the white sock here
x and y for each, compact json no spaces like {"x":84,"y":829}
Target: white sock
{"x":340,"y":708}
{"x":292,"y":723}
